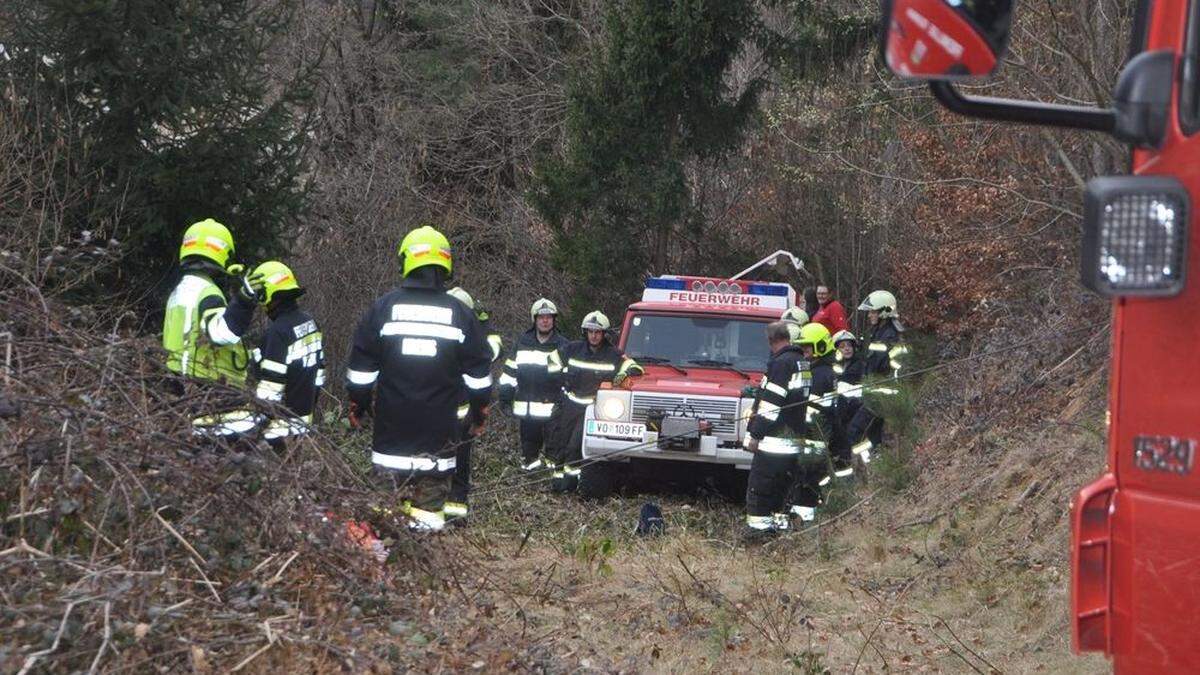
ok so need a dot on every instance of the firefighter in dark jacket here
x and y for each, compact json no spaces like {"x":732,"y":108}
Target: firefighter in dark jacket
{"x":812,"y":470}
{"x":531,"y":383}
{"x":587,"y":363}
{"x":290,"y":360}
{"x":776,"y":432}
{"x":418,"y":347}
{"x":885,"y":357}
{"x":460,"y":487}
{"x":848,"y":364}
{"x":849,"y":367}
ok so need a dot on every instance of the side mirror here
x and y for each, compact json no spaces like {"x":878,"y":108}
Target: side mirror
{"x":945,"y":39}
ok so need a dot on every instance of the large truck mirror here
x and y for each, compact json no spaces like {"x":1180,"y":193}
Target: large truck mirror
{"x":945,"y":40}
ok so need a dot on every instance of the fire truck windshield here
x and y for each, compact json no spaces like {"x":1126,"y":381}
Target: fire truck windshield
{"x":693,"y":341}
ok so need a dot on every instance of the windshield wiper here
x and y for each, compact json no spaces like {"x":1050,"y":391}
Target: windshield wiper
{"x":719,"y":364}
{"x":660,"y":361}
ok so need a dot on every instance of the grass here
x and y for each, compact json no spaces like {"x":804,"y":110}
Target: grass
{"x":568,"y":581}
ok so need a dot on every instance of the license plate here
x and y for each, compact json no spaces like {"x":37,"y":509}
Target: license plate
{"x":616,"y":429}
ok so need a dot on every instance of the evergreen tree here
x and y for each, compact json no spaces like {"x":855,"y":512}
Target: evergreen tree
{"x":169,"y":115}
{"x":655,"y":96}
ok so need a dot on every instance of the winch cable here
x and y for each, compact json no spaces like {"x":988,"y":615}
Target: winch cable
{"x":527,"y":480}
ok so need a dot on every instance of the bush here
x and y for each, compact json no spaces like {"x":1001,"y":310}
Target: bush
{"x":155,"y":115}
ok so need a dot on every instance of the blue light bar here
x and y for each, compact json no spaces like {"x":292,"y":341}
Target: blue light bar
{"x":666,"y":284}
{"x":768,"y":289}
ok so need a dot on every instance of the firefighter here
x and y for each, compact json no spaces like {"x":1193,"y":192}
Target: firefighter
{"x":530,"y":385}
{"x":290,"y":360}
{"x":795,"y":317}
{"x":419,"y":348}
{"x":460,"y":486}
{"x":586,"y":364}
{"x":776,"y":432}
{"x":812,"y":470}
{"x":202,"y":332}
{"x":849,"y":364}
{"x":884,"y":360}
{"x":848,"y":367}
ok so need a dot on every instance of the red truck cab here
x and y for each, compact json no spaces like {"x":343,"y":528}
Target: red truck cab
{"x":1135,"y":539}
{"x":702,"y":341}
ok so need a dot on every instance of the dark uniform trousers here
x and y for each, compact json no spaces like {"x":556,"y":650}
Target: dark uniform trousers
{"x":460,"y":484}
{"x":885,"y":356}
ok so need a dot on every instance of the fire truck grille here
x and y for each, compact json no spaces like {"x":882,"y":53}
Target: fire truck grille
{"x":721,"y":412}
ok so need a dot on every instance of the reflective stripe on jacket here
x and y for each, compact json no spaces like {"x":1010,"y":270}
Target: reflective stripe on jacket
{"x":779,"y":407}
{"x":585,"y":369}
{"x":290,"y":364}
{"x":414,"y":352}
{"x":532,"y":376}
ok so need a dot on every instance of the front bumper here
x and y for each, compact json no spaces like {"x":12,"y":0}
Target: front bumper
{"x":604,"y":448}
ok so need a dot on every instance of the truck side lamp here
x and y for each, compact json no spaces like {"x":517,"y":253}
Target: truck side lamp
{"x":1135,"y":234}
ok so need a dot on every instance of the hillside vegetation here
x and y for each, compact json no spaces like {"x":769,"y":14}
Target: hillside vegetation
{"x":339,"y":126}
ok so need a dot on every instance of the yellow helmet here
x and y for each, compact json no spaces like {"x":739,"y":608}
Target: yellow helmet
{"x":794,"y":315}
{"x":818,"y":337}
{"x":424,"y":246}
{"x":207,"y":239}
{"x":276,"y":277}
{"x":596,"y":321}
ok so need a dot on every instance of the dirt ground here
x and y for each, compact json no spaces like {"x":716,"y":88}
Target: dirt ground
{"x":892,"y":583}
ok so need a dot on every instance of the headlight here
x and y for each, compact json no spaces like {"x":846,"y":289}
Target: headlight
{"x":612,"y":406}
{"x":1135,"y":235}
{"x":743,"y":421}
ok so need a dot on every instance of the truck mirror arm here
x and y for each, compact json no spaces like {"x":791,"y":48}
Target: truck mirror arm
{"x":1140,"y":113}
{"x":1024,"y":112}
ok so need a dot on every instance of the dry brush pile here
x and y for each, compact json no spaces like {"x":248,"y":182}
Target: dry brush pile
{"x":126,"y":544}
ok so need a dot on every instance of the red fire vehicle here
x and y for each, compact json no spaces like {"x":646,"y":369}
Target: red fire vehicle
{"x":1135,"y":543}
{"x":702,"y":342}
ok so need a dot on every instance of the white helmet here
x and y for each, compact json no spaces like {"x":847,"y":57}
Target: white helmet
{"x":542,"y":306}
{"x":842,"y":336}
{"x":793,"y":332}
{"x":595,"y":321}
{"x":882,"y":302}
{"x":462,"y":296}
{"x":794,"y":315}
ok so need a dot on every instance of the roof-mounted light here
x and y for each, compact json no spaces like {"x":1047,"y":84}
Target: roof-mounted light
{"x":768,"y":289}
{"x":666,"y":283}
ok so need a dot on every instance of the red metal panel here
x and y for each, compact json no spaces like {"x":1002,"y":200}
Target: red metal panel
{"x":1154,"y":564}
{"x":1156,"y":589}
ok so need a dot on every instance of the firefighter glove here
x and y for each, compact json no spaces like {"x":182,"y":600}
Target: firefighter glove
{"x":479,"y":423}
{"x":251,"y":288}
{"x":355,"y":415}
